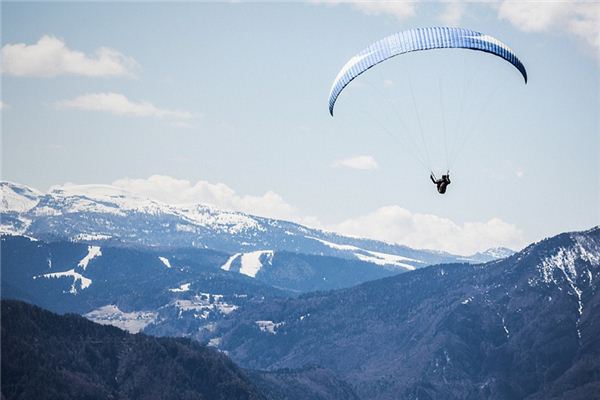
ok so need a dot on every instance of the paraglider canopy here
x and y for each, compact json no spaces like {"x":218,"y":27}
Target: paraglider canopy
{"x":416,"y":40}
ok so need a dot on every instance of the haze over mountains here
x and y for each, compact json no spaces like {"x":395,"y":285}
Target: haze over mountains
{"x":522,"y":327}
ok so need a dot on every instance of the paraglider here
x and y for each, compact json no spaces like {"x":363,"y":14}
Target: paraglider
{"x":441,"y":183}
{"x":420,"y":39}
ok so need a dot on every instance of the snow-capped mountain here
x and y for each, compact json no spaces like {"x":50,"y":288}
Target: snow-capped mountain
{"x":494,"y":253}
{"x":102,"y":214}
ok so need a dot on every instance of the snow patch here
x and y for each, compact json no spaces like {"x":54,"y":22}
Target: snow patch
{"x":374,"y":257}
{"x":269,"y":326}
{"x":84,"y":282}
{"x":385,"y":259}
{"x":203,"y":304}
{"x":185,"y":228}
{"x":230,"y":260}
{"x":182,"y":288}
{"x":252,"y":262}
{"x":165,"y":261}
{"x":505,"y":328}
{"x":90,"y":236}
{"x":224,"y":221}
{"x":93,"y":252}
{"x":132,"y":322}
{"x":564,"y":263}
{"x":304,"y":316}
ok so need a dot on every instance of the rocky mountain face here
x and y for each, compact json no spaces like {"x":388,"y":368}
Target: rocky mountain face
{"x":106,"y":215}
{"x":525,"y":327}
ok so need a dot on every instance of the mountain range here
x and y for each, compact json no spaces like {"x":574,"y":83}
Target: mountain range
{"x":308,"y":313}
{"x":49,"y":356}
{"x":525,"y":327}
{"x":107,"y":215}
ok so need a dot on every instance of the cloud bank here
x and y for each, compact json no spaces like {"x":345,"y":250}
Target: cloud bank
{"x":398,"y":9}
{"x":399,"y":225}
{"x":391,"y":223}
{"x":180,"y":191}
{"x":579,"y":19}
{"x":51,"y":57}
{"x":118,"y":104}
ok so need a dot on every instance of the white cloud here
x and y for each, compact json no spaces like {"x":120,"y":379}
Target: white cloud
{"x":118,"y":104}
{"x":453,"y":13}
{"x":358,"y":162}
{"x":580,"y":19}
{"x":399,"y":9}
{"x":3,"y":105}
{"x":50,"y":57}
{"x":399,"y":225}
{"x":180,"y":191}
{"x":532,"y":16}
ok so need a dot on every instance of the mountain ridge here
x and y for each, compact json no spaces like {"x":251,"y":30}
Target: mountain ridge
{"x":50,"y":356}
{"x":99,"y":214}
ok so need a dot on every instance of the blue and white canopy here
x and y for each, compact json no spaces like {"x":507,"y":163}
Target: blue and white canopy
{"x":415,"y":40}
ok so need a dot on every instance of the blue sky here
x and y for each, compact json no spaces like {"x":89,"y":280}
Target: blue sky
{"x":226,"y":103}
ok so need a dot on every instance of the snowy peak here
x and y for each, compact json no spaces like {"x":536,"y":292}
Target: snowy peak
{"x":575,"y":257}
{"x":104,"y":214}
{"x":224,"y":221}
{"x":494,"y":253}
{"x":121,"y":200}
{"x":70,"y":198}
{"x":17,"y":198}
{"x":498,"y":252}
